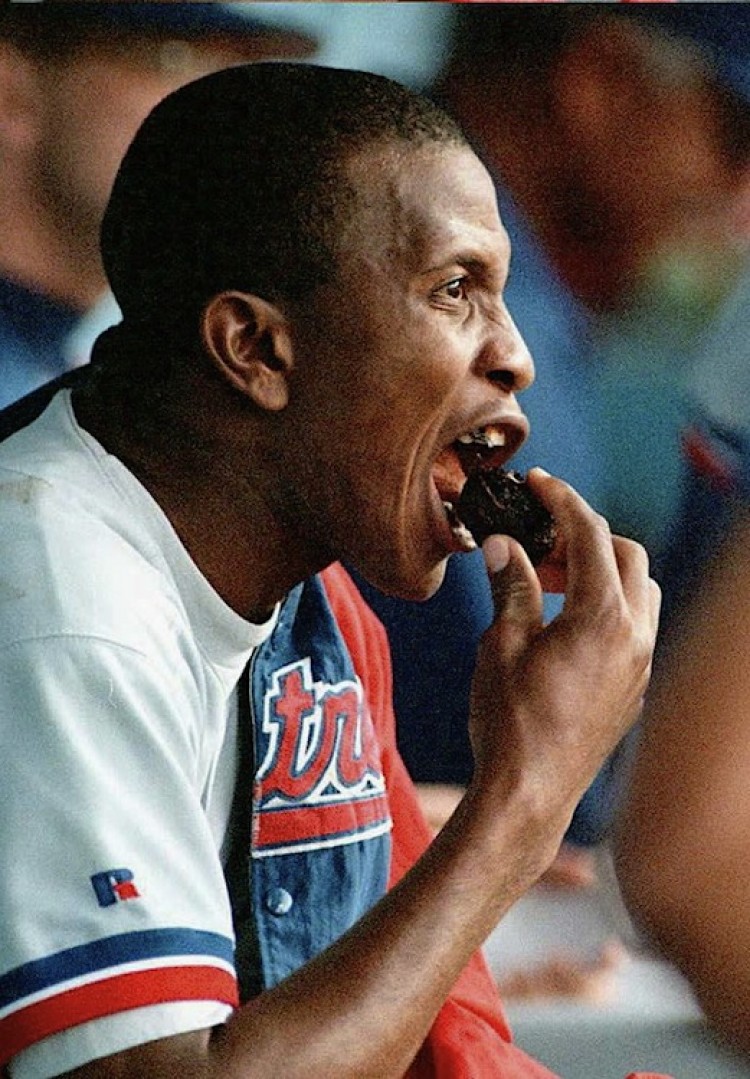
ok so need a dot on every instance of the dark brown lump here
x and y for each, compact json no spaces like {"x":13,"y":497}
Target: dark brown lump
{"x":496,"y":500}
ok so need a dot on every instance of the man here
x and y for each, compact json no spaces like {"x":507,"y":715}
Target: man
{"x":619,"y":139}
{"x":682,"y":858}
{"x":196,"y":725}
{"x":75,"y":82}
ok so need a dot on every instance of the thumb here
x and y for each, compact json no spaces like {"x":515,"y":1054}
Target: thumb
{"x":516,"y":593}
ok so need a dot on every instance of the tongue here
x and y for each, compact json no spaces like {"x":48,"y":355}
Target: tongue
{"x":475,"y":456}
{"x":448,"y":475}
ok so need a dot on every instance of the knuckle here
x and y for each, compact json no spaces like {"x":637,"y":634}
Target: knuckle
{"x":633,"y":552}
{"x":601,"y":524}
{"x":617,"y":623}
{"x":644,"y":652}
{"x":631,"y":547}
{"x":623,"y":628}
{"x":642,"y":642}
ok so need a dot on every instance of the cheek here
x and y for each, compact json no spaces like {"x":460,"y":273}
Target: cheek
{"x":379,"y":379}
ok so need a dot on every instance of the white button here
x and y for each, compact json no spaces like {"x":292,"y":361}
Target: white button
{"x":279,"y":901}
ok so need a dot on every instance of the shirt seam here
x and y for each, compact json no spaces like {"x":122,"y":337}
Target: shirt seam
{"x":72,"y":636}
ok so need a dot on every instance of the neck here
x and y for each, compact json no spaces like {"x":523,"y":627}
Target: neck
{"x":223,"y":502}
{"x":45,"y":255}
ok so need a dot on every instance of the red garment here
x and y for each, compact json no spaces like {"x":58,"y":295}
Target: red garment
{"x":470,"y":1038}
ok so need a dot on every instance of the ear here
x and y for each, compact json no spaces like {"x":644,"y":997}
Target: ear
{"x":248,"y":340}
{"x":19,"y":90}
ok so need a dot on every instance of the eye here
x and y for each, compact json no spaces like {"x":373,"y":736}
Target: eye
{"x":455,"y":289}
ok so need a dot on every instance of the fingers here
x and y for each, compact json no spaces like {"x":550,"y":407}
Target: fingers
{"x":585,"y":540}
{"x":607,"y":581}
{"x":516,"y":594}
{"x":587,"y":557}
{"x":641,"y":591}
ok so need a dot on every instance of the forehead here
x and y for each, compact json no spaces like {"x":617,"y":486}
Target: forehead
{"x":422,"y":207}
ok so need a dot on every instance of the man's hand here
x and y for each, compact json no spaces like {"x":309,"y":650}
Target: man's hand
{"x":549,"y":703}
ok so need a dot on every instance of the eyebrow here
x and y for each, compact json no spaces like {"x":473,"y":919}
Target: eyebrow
{"x":478,"y":259}
{"x":478,"y":264}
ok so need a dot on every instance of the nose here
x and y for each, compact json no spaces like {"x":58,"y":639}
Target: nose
{"x":505,"y":360}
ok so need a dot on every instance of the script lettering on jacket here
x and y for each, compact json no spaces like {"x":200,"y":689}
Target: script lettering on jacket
{"x":320,"y":780}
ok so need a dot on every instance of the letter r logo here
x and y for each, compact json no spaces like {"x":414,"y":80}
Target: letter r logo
{"x":114,"y":886}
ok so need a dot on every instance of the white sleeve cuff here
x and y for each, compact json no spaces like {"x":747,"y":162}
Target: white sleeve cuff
{"x":90,"y":1041}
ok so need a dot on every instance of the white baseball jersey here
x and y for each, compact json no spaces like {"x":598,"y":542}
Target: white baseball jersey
{"x":118,"y":756}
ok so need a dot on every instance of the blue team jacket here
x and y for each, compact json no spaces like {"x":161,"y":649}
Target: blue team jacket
{"x":319,"y":827}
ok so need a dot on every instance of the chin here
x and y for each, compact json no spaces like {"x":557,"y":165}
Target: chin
{"x":413,"y":586}
{"x":411,"y":572}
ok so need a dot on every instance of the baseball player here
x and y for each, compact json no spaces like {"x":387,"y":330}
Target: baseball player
{"x":212,"y":860}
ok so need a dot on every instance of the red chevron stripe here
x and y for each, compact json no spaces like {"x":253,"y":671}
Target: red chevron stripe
{"x":335,"y":822}
{"x":109,"y":996}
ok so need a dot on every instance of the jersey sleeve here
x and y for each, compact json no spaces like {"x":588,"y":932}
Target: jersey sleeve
{"x":115,"y":927}
{"x":470,"y":1036}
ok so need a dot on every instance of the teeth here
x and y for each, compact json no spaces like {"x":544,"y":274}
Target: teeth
{"x":491,"y":437}
{"x":464,"y":537}
{"x":459,"y":529}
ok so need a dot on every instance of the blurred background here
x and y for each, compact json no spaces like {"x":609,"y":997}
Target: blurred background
{"x":405,"y":41}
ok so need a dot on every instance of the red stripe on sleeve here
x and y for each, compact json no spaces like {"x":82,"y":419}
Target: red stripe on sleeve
{"x":108,"y":996}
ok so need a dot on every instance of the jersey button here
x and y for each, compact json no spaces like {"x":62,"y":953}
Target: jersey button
{"x":279,"y":901}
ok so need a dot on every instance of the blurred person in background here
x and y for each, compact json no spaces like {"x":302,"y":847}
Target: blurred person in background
{"x":693,"y":255}
{"x":682,"y":842}
{"x":76,"y":80}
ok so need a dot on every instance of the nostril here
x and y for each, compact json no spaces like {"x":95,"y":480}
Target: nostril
{"x":506,"y":379}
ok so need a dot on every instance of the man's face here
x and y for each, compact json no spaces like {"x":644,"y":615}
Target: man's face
{"x":408,"y":349}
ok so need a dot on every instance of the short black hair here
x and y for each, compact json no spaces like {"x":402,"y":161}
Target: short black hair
{"x":237,"y":181}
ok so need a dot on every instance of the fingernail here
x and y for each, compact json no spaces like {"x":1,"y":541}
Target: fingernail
{"x":540,"y":471}
{"x":496,"y":553}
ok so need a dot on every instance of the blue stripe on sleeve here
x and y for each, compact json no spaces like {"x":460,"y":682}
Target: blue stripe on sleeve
{"x":109,"y":952}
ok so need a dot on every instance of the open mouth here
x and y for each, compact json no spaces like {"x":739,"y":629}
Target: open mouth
{"x":482,"y":448}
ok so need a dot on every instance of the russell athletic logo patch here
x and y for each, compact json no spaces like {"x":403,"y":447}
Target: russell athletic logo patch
{"x":114,"y":886}
{"x":320,"y":782}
